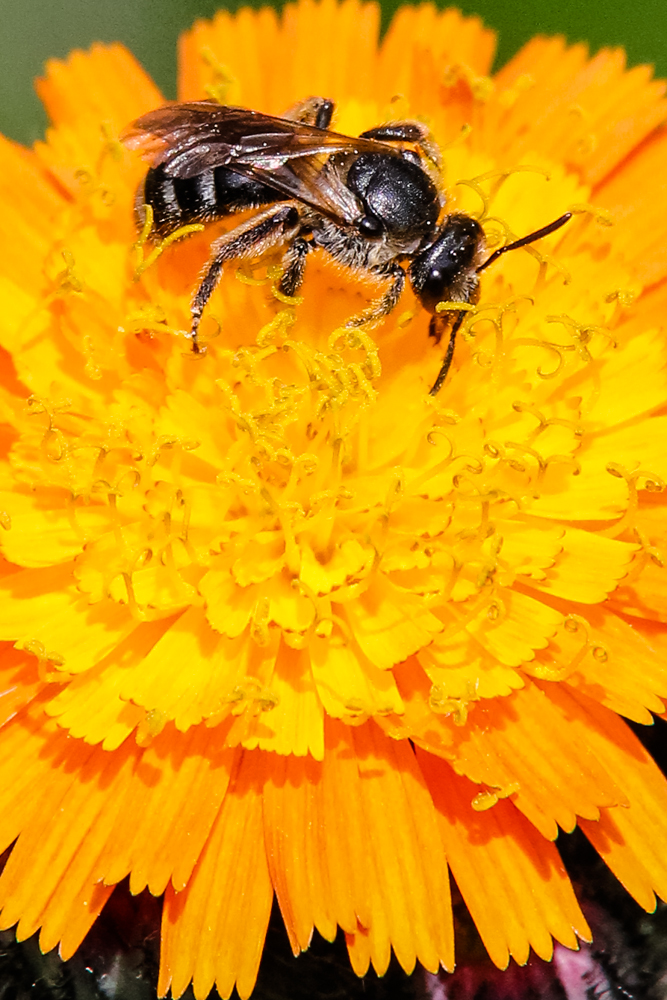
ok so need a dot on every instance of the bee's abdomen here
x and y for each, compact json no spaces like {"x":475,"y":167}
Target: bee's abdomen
{"x":178,"y":201}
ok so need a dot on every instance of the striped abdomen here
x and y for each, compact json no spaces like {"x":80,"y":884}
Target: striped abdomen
{"x":179,"y":201}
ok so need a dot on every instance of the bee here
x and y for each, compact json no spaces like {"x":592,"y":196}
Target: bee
{"x":371,"y":202}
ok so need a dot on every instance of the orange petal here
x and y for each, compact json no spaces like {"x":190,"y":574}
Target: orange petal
{"x":201,"y":939}
{"x":51,"y":865}
{"x":177,"y":786}
{"x":631,"y":196}
{"x":105,"y":83}
{"x":631,"y":839}
{"x":513,"y":882}
{"x":412,"y":912}
{"x":587,"y":114}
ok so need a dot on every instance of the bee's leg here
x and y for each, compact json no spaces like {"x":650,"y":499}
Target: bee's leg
{"x":436,"y":329}
{"x":316,"y":111}
{"x":384,"y":305}
{"x":294,"y":264}
{"x":251,"y":239}
{"x":407,"y":131}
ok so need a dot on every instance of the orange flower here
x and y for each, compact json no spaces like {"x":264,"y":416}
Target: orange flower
{"x":278,"y":621}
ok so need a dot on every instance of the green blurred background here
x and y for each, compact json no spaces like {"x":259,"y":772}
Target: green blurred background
{"x":33,"y":30}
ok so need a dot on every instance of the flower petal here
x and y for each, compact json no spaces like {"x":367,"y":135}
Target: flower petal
{"x":513,"y":883}
{"x":202,"y":940}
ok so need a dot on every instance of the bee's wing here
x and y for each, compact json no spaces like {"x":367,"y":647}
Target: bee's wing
{"x":187,"y":139}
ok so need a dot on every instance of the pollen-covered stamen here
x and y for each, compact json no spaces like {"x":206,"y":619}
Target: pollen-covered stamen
{"x":143,"y":262}
{"x":493,"y":314}
{"x":287,"y":300}
{"x":582,"y":334}
{"x":148,"y":320}
{"x":635,"y":481}
{"x":49,"y":663}
{"x":519,"y":464}
{"x":545,"y":422}
{"x":572,"y":650}
{"x":66,"y":281}
{"x":457,"y":708}
{"x":253,"y":697}
{"x":576,"y":626}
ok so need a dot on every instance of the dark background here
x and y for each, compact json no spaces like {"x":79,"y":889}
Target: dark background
{"x":33,"y":30}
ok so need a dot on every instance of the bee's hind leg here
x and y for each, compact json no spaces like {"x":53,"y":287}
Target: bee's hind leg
{"x":407,"y":131}
{"x":253,"y":238}
{"x":317,"y":111}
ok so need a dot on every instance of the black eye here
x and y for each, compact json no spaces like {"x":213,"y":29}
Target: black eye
{"x":368,"y":225}
{"x":435,"y":281}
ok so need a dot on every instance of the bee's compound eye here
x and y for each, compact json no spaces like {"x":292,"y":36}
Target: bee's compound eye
{"x":369,"y":226}
{"x":434,"y":284}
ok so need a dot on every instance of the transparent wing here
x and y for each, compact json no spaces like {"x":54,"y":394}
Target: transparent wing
{"x":188,"y":139}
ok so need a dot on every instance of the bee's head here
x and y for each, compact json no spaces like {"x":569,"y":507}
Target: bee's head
{"x":446,"y":271}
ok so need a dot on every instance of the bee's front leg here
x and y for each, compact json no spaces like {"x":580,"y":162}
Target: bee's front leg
{"x":253,"y":238}
{"x":384,"y":305}
{"x":294,"y":265}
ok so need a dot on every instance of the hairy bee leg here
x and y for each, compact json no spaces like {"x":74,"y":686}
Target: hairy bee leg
{"x":294,"y":265}
{"x":449,"y":353}
{"x":407,"y":131}
{"x":317,"y":111}
{"x":251,"y":239}
{"x":384,"y":305}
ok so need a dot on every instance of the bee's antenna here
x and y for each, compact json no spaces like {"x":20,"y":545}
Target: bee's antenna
{"x":531,"y":238}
